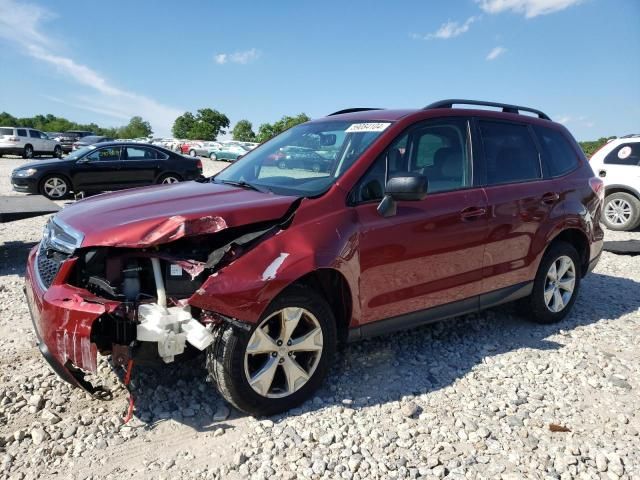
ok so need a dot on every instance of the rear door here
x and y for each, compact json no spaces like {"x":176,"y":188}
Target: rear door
{"x":621,"y":166}
{"x":99,"y":170}
{"x":140,"y":165}
{"x":522,"y":203}
{"x":36,"y":141}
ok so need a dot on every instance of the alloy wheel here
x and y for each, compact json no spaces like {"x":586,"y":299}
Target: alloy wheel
{"x":618,"y":211}
{"x":560,"y":284}
{"x":283,"y":352}
{"x":28,"y":151}
{"x":168,"y":180}
{"x":55,"y":187}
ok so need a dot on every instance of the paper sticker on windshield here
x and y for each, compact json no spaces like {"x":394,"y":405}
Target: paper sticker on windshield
{"x":624,"y":152}
{"x":367,"y":127}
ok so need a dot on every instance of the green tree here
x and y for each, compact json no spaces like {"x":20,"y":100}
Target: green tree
{"x":590,"y":147}
{"x":136,"y":128}
{"x":183,"y":125}
{"x":267,"y":131}
{"x":243,"y":131}
{"x":207,"y":124}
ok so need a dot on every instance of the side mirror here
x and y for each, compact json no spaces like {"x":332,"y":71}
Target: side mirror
{"x":406,"y":188}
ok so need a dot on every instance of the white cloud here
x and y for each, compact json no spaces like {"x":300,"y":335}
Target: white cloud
{"x":21,"y":23}
{"x":495,"y":53}
{"x":530,"y":8}
{"x":564,"y":119}
{"x":580,"y":121}
{"x":448,"y":30}
{"x":237,"y":57}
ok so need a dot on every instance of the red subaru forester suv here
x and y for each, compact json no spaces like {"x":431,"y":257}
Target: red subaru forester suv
{"x":421,"y":215}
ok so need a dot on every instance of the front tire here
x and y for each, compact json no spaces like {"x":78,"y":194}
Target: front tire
{"x":621,"y":211}
{"x":57,"y":152}
{"x":192,"y":153}
{"x":213,"y":157}
{"x":556,"y":285}
{"x":55,"y":187}
{"x":281,"y":361}
{"x":28,"y":152}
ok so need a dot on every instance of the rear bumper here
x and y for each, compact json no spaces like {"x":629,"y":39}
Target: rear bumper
{"x":62,"y":317}
{"x":10,"y":150}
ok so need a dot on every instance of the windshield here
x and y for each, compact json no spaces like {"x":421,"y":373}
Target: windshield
{"x":305,"y":160}
{"x":76,"y":154}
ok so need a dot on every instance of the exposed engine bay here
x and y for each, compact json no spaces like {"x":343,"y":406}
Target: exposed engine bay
{"x":153,"y":285}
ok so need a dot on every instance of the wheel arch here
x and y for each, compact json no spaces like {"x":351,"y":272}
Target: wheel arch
{"x":617,"y":188}
{"x":169,"y":173}
{"x":579,"y":240}
{"x":332,"y":285}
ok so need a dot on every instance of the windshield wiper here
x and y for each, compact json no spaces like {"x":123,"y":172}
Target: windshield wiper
{"x":242,"y":184}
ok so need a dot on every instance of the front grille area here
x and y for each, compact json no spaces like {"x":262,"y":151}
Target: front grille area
{"x":48,"y":263}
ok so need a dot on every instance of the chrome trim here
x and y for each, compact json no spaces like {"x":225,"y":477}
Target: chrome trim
{"x":56,"y":242}
{"x":36,"y":270}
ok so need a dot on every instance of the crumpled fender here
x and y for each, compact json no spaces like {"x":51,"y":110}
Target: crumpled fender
{"x":244,"y":288}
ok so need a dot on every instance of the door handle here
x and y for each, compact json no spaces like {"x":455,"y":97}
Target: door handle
{"x":550,"y":198}
{"x":472,"y":213}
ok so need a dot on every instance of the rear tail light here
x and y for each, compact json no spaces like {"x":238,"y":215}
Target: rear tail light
{"x":199,"y":165}
{"x":597,"y":185}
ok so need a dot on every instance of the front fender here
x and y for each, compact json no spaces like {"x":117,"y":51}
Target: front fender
{"x":243,"y":289}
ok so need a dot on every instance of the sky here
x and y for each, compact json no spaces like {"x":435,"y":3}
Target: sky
{"x":104,"y":62}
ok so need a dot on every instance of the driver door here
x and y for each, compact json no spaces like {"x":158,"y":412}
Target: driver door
{"x":430,"y":253}
{"x":98,"y":170}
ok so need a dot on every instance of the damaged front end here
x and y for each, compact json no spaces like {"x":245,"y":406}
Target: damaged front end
{"x":132,"y":303}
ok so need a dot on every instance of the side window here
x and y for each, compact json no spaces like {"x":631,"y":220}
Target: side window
{"x":105,"y":154}
{"x":22,"y":132}
{"x":436,"y":149}
{"x":34,"y":134}
{"x":625,"y":154}
{"x":138,"y":153}
{"x":439,"y":151}
{"x":561,"y":157}
{"x":510,"y":153}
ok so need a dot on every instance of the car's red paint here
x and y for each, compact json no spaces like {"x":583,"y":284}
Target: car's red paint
{"x":427,"y":255}
{"x":163,"y":213}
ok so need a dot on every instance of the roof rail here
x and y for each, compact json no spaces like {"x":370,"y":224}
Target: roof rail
{"x":631,"y":135}
{"x":507,"y":108}
{"x":352,"y":110}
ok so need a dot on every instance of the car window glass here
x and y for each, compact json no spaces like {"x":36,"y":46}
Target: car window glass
{"x":6,"y":131}
{"x":138,"y":153}
{"x":436,"y":149}
{"x":439,"y":151}
{"x":510,"y":153}
{"x":625,"y":154}
{"x":22,"y":132}
{"x":34,"y":134}
{"x":561,"y":157}
{"x":105,"y":154}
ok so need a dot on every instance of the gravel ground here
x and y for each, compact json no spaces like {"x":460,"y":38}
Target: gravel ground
{"x":475,"y":397}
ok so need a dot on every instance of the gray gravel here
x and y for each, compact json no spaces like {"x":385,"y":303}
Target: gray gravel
{"x":475,"y":397}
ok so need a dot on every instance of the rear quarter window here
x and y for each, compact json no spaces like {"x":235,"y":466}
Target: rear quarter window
{"x":560,"y":157}
{"x":625,"y":154}
{"x":6,"y":131}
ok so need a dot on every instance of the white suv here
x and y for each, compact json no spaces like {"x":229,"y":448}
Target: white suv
{"x":27,"y":142}
{"x":618,"y":164}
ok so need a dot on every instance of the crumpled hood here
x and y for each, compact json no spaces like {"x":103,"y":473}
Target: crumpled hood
{"x":159,"y":214}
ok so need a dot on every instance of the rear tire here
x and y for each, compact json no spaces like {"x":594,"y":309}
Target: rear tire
{"x":213,"y":157}
{"x":192,"y":153}
{"x":289,"y":374}
{"x":57,"y":152}
{"x":621,"y":211}
{"x":553,"y":295}
{"x":170,"y":178}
